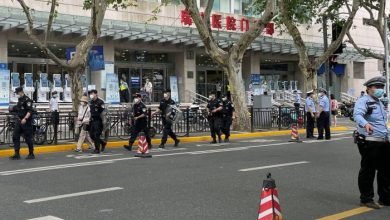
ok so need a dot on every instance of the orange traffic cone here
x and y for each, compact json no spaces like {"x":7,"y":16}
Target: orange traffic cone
{"x":143,"y":149}
{"x":294,"y":134}
{"x":269,"y":203}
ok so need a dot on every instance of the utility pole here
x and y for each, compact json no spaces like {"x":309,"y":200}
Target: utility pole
{"x":386,"y":54}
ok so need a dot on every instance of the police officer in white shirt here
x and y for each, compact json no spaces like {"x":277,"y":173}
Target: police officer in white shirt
{"x":55,"y":113}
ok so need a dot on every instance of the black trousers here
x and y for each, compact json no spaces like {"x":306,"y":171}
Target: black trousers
{"x":27,"y":131}
{"x":55,"y":117}
{"x":375,"y":158}
{"x":215,"y":127}
{"x":96,"y":129}
{"x":323,"y":123}
{"x":226,"y":123}
{"x":309,"y":125}
{"x":167,"y":131}
{"x":139,"y":127}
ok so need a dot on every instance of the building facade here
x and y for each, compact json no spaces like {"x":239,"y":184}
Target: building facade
{"x":141,"y":49}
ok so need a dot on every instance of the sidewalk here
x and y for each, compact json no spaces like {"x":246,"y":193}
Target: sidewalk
{"x":156,"y":142}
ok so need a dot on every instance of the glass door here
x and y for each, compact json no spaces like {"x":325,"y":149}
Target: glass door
{"x":201,"y":83}
{"x":134,"y":81}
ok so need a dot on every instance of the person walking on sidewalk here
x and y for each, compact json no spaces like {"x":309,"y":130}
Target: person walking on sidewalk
{"x":140,"y":122}
{"x":96,"y":123}
{"x":214,"y":108}
{"x":228,"y":116}
{"x":323,"y":121}
{"x":310,"y":110}
{"x":164,"y":107}
{"x":372,"y":139}
{"x":82,"y":128}
{"x":24,"y":110}
{"x":334,"y":107}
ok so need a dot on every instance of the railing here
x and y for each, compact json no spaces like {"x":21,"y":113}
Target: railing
{"x":190,"y":121}
{"x":196,"y":97}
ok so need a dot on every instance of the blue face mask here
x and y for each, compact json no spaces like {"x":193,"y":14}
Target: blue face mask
{"x":379,"y":93}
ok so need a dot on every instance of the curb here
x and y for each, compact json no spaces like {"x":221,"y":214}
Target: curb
{"x":117,"y":144}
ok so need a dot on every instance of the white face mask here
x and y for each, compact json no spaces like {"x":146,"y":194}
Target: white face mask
{"x":55,"y":96}
{"x":17,"y":96}
{"x":83,"y":103}
{"x":91,"y":96}
{"x":224,"y":99}
{"x":136,"y":100}
{"x":166,"y":95}
{"x":211,"y":97}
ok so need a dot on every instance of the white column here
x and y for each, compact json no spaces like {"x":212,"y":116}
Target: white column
{"x":186,"y":74}
{"x":4,"y":49}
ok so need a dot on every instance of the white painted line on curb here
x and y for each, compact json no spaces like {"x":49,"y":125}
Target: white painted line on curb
{"x":73,"y":195}
{"x":273,"y":166}
{"x":49,"y":217}
{"x":96,"y":156}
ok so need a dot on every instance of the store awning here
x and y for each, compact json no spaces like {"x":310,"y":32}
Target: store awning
{"x":131,"y":31}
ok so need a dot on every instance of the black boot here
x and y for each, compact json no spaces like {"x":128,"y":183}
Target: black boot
{"x":162,"y":146}
{"x":227,"y":140}
{"x":104,"y":146}
{"x":30,"y":156}
{"x":177,"y":141}
{"x":16,"y":156}
{"x":219,"y":139}
{"x":128,"y":147}
{"x":96,"y":151}
{"x":214,"y":141}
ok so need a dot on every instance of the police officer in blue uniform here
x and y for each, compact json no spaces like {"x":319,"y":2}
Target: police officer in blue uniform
{"x":310,"y":110}
{"x":373,"y":143}
{"x":215,"y":107}
{"x":228,"y":116}
{"x":165,"y":103}
{"x":96,"y":124}
{"x":140,"y":122}
{"x":323,"y":121}
{"x":24,"y":110}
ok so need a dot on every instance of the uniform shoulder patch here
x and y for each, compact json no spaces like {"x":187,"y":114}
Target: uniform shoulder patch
{"x":29,"y":103}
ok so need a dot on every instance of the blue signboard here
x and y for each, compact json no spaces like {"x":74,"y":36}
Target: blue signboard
{"x":135,"y":82}
{"x":4,"y":87}
{"x":255,"y":79}
{"x":95,"y":57}
{"x":3,"y":66}
{"x":174,"y":88}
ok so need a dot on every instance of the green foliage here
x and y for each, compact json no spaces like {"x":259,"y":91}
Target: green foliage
{"x":116,"y":4}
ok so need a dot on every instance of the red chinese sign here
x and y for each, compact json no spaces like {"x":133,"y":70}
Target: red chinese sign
{"x":230,"y":22}
{"x":185,"y":18}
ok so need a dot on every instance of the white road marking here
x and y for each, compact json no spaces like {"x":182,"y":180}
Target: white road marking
{"x":49,"y":217}
{"x":257,"y":141}
{"x":333,"y":139}
{"x":273,"y":166}
{"x":212,"y":145}
{"x":100,"y":162}
{"x":95,"y":156}
{"x":72,"y":195}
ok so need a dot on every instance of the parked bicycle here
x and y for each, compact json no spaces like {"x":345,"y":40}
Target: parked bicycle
{"x":43,"y":130}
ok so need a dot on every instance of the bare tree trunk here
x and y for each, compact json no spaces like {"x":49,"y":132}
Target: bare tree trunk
{"x":77,"y":87}
{"x":238,"y":93}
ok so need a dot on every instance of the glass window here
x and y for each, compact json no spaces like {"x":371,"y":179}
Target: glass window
{"x":237,"y":7}
{"x":225,"y":6}
{"x":216,"y":6}
{"x":245,"y":6}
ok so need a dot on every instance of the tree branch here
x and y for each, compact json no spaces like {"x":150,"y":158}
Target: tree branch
{"x":335,"y":44}
{"x":50,"y":21}
{"x":215,"y":52}
{"x":207,"y":14}
{"x":363,"y":51}
{"x":295,"y":34}
{"x":30,"y":32}
{"x":255,"y":31}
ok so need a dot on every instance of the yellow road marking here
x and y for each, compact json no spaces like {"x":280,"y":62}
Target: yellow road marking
{"x":347,"y":214}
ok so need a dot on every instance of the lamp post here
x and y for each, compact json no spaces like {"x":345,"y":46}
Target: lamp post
{"x":386,"y":54}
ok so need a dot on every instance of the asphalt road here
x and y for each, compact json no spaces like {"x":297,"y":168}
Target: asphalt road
{"x":315,"y":179}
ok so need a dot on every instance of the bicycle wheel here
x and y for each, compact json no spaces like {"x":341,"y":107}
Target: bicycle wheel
{"x":39,"y":137}
{"x":8,"y":135}
{"x":50,"y":134}
{"x":124,"y":132}
{"x":152,"y":132}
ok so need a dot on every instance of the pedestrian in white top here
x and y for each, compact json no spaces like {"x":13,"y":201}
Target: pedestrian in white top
{"x":82,"y":126}
{"x":149,"y":89}
{"x":55,"y":113}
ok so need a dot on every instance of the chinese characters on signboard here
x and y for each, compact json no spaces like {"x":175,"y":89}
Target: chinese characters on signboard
{"x":230,"y":22}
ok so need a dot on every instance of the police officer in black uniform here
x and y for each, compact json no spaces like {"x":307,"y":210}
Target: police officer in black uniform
{"x":215,"y":107}
{"x":227,"y":119}
{"x":96,"y":124}
{"x":140,"y":122}
{"x":24,"y":110}
{"x":167,"y":130}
